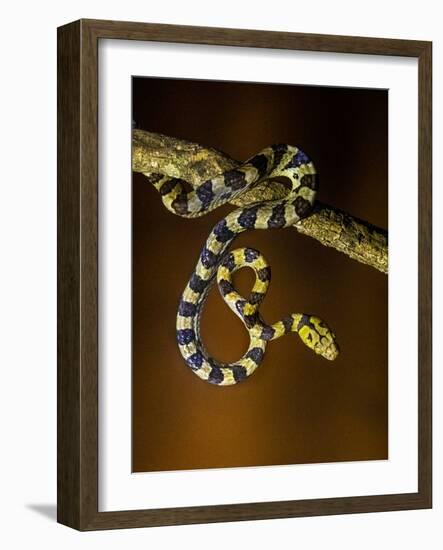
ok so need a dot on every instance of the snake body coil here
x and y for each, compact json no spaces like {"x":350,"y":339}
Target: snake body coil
{"x":215,"y":259}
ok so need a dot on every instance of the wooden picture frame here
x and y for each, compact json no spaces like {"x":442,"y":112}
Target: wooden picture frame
{"x":78,"y":274}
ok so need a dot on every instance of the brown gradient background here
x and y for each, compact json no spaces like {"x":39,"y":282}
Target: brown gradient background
{"x":297,"y":407}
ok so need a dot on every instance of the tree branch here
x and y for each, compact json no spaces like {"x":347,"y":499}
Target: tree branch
{"x":358,"y":239}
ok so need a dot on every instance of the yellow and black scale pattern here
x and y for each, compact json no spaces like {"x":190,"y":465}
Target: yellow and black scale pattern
{"x":216,"y":260}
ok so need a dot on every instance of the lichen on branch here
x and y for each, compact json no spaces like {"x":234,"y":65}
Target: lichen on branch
{"x":358,"y":239}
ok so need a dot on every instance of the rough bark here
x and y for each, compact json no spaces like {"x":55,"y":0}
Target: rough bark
{"x":358,"y":239}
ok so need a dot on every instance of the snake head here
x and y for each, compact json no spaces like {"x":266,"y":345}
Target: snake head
{"x":316,"y":335}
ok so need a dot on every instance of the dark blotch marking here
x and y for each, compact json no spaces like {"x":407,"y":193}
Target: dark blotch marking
{"x":302,"y":157}
{"x":256,"y":354}
{"x":239,"y":373}
{"x":255,"y":298}
{"x":229,"y":262}
{"x":215,"y":376}
{"x":303,"y":321}
{"x":195,"y":361}
{"x":250,"y":320}
{"x":309,"y":180}
{"x":197,"y":284}
{"x":264,"y":274}
{"x":251,"y":255}
{"x":234,"y":179}
{"x":267,"y":333}
{"x":208,"y":258}
{"x":154,"y":178}
{"x":287,"y":323}
{"x":247,"y":217}
{"x":185,"y":336}
{"x":239,"y":306}
{"x":302,"y":206}
{"x":180,"y":204}
{"x":225,"y":287}
{"x":168,"y":186}
{"x":298,"y":159}
{"x":260,"y":162}
{"x":205,"y":194}
{"x":280,"y":149}
{"x":212,"y":362}
{"x":277,"y":219}
{"x":187,"y":309}
{"x":222,"y":232}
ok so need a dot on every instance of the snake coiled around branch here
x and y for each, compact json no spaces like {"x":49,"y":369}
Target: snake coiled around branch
{"x":216,"y":261}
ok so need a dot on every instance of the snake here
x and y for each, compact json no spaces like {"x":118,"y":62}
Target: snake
{"x":217,"y":263}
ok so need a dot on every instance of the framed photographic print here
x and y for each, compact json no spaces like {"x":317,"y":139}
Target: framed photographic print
{"x":193,"y":163}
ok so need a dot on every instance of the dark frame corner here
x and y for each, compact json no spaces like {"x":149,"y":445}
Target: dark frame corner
{"x":77,"y":455}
